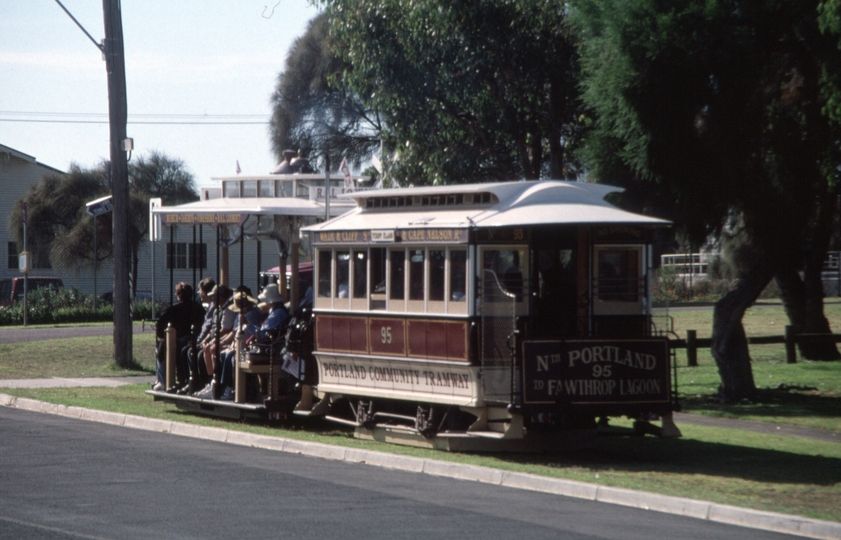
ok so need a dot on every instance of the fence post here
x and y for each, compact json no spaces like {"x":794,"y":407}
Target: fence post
{"x":691,"y":348}
{"x":791,"y":349}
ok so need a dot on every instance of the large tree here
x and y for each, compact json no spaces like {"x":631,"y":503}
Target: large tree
{"x":718,"y":109}
{"x":60,"y":232}
{"x":468,"y":91}
{"x":312,"y":108}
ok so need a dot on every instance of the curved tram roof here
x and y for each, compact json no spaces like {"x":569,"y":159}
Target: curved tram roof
{"x":504,"y":204}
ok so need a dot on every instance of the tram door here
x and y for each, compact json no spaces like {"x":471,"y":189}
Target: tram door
{"x":504,"y":293}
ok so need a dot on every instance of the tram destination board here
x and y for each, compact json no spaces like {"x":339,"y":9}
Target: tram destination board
{"x":597,"y":372}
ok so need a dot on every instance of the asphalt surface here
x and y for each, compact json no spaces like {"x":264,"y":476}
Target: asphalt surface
{"x":66,"y":478}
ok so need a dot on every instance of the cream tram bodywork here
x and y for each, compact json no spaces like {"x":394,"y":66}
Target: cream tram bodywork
{"x":486,"y":309}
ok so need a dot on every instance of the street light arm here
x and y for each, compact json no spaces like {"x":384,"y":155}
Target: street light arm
{"x":82,"y":28}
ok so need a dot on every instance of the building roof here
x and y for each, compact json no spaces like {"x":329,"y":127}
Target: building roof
{"x":11,"y":152}
{"x":282,"y":206}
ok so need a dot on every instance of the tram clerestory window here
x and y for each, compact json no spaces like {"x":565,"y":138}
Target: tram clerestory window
{"x":416,"y":274}
{"x":396,"y":284}
{"x":325,"y":270}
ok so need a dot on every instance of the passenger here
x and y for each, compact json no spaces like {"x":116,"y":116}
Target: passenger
{"x":271,"y":302}
{"x":249,"y":322}
{"x":186,"y":316}
{"x":221,"y":330}
{"x":194,"y":351}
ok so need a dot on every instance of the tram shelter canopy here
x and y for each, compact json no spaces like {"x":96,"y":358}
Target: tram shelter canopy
{"x":545,"y":202}
{"x":227,"y":211}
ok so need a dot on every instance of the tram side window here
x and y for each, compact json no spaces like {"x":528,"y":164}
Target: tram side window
{"x":437,"y":258}
{"x":377,"y":280}
{"x":507,"y":264}
{"x":396,"y":279}
{"x":458,"y":275}
{"x":325,"y":282}
{"x":416,"y":274}
{"x":619,"y":274}
{"x":360,"y":274}
{"x":342,"y":274}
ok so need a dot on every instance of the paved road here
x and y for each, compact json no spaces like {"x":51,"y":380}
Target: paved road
{"x":62,"y":478}
{"x":20,"y":334}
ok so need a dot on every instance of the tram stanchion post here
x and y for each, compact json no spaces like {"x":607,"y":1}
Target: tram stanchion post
{"x":171,"y":351}
{"x":239,"y":376}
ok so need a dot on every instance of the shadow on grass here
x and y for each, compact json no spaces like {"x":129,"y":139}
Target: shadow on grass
{"x":783,"y":401}
{"x":134,"y":368}
{"x":628,"y":454}
{"x":687,"y":456}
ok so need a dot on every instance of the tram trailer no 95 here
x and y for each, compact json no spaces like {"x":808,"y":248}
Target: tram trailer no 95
{"x":503,"y":315}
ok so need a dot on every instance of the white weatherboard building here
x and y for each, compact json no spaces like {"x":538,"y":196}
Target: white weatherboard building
{"x":268,"y":210}
{"x":18,"y":172}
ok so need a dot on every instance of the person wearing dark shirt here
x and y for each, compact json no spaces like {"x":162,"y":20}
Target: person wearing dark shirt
{"x":186,"y":317}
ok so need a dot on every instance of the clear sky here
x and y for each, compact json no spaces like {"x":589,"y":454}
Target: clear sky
{"x":188,"y":63}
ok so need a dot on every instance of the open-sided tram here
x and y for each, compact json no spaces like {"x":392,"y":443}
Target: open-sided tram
{"x":461,"y":315}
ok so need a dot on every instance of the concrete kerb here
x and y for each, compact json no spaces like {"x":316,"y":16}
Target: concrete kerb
{"x":720,"y":513}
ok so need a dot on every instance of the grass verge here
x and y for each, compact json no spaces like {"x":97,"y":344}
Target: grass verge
{"x":751,"y":470}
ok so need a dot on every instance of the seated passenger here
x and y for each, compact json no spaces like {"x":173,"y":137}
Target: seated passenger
{"x":192,"y":352}
{"x":221,"y":333}
{"x":249,"y":321}
{"x":186,"y":316}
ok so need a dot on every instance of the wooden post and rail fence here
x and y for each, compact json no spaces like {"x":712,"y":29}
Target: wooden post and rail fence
{"x":791,"y":339}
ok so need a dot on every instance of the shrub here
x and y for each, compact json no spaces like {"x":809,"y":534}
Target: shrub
{"x":54,"y":306}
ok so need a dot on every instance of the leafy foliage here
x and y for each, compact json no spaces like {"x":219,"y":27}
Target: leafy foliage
{"x":313,"y":110}
{"x":61,"y":234}
{"x":465,"y":91}
{"x":68,"y":305}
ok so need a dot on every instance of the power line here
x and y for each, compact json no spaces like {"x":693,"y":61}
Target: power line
{"x":135,"y":119}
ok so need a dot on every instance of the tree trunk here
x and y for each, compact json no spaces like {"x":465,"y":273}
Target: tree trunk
{"x":729,"y":342}
{"x":815,"y":321}
{"x":803,"y":298}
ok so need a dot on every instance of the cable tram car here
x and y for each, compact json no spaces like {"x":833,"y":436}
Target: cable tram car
{"x":485,"y":316}
{"x":508,"y":311}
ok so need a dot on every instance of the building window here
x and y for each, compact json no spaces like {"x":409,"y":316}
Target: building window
{"x":198,"y":256}
{"x":13,"y":255}
{"x":176,"y":255}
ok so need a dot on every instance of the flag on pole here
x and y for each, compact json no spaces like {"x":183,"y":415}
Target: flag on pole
{"x":346,"y":172}
{"x":238,"y":169}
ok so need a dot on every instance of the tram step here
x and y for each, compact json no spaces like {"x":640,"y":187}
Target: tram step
{"x":487,"y":434}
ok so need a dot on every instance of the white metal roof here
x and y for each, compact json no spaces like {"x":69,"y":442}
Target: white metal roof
{"x":283,"y":206}
{"x":546,"y":202}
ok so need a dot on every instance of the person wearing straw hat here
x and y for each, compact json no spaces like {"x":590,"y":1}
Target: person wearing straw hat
{"x":271,"y":302}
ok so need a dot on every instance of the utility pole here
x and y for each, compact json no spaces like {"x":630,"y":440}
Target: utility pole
{"x":118,"y":114}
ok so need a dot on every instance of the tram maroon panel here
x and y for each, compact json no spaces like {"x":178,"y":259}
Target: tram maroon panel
{"x":438,"y":340}
{"x":341,"y":334}
{"x":387,"y":336}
